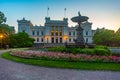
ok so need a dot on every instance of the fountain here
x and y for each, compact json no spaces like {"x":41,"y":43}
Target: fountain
{"x":80,"y":42}
{"x":80,"y":39}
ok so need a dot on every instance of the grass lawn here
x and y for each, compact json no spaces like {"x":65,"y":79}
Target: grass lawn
{"x":63,"y":64}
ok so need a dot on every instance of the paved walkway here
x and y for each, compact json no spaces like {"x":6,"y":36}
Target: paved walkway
{"x":17,"y":71}
{"x":115,"y":50}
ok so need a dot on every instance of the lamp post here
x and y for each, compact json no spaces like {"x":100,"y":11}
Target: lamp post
{"x":1,"y":36}
{"x":47,"y":40}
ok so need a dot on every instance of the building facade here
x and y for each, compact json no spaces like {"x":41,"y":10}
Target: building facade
{"x":55,"y":31}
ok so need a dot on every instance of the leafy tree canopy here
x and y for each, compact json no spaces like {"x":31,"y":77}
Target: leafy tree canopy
{"x":118,"y":31}
{"x":21,"y":39}
{"x":2,"y":18}
{"x":106,"y":37}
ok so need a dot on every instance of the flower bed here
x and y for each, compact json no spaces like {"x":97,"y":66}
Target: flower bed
{"x":65,"y":56}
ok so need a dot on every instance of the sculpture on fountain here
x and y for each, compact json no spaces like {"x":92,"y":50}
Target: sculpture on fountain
{"x":80,"y":39}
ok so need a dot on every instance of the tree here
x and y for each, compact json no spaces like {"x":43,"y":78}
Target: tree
{"x":2,"y":18}
{"x":117,"y":38}
{"x":5,"y":30}
{"x":104,"y":37}
{"x":21,"y":39}
{"x":118,"y":31}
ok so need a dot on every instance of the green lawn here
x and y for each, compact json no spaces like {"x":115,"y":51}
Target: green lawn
{"x":63,"y":64}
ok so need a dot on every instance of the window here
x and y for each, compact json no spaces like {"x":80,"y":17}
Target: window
{"x":69,"y":33}
{"x":41,"y":39}
{"x":37,"y":32}
{"x":23,"y":31}
{"x":42,"y":33}
{"x":60,"y":33}
{"x":60,"y":40}
{"x":56,"y":33}
{"x":86,"y":40}
{"x":74,"y":33}
{"x":86,"y":33}
{"x":33,"y":32}
{"x":56,"y":39}
{"x":37,"y":39}
{"x":52,"y":40}
{"x":70,"y":40}
{"x":52,"y":33}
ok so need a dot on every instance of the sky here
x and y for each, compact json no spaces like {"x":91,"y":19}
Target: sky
{"x":101,"y":13}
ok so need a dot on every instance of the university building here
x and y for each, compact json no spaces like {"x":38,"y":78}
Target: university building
{"x":55,"y":31}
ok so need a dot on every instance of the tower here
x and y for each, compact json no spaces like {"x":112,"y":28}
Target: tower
{"x":24,"y":26}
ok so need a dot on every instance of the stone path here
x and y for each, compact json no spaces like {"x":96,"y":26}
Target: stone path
{"x":115,"y":50}
{"x":17,"y":71}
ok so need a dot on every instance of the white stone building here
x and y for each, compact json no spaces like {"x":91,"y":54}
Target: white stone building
{"x":55,"y":31}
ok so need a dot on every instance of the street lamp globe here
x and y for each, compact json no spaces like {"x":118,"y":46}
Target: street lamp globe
{"x":1,"y":36}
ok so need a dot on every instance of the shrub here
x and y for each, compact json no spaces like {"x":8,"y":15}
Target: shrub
{"x":98,"y":50}
{"x":102,"y":50}
{"x":57,"y":49}
{"x":87,"y":51}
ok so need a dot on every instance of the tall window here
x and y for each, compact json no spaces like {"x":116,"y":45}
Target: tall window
{"x":41,"y":39}
{"x":74,"y":33}
{"x":60,"y":33}
{"x":42,"y":33}
{"x":70,"y":33}
{"x":86,"y":40}
{"x":86,"y":33}
{"x":37,"y":39}
{"x":37,"y":32}
{"x":60,"y":40}
{"x":33,"y":32}
{"x":52,"y":40}
{"x":52,"y":33}
{"x":56,"y":39}
{"x":70,"y":40}
{"x":56,"y":33}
